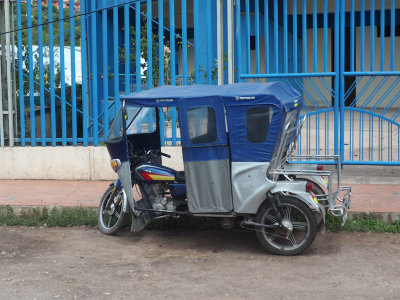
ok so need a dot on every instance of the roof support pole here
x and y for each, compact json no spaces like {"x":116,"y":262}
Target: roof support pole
{"x":220,"y":41}
{"x":230,"y":24}
{"x":1,"y":81}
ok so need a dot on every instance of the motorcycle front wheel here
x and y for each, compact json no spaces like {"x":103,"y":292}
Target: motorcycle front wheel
{"x":279,"y":240}
{"x":111,"y":220}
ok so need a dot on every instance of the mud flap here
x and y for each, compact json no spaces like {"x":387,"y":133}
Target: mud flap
{"x":145,"y":217}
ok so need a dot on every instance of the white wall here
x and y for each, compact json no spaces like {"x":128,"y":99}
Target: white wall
{"x":66,"y":163}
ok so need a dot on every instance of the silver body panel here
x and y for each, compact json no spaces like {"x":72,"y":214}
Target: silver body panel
{"x":208,"y":186}
{"x":249,"y":186}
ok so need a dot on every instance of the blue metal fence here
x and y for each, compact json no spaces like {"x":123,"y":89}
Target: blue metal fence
{"x":313,"y":46}
{"x":123,"y":47}
{"x":74,"y":63}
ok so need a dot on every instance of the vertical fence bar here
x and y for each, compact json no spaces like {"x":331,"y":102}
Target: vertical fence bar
{"x":1,"y":108}
{"x":21,"y":75}
{"x":326,"y":35}
{"x":362,"y":35}
{"x":137,"y":45}
{"x":127,"y":53}
{"x":257,"y":33}
{"x":285,"y":37}
{"x":196,"y":40}
{"x":382,"y":35}
{"x":31,"y":83}
{"x":73,"y":77}
{"x":341,"y":71}
{"x":52,"y":88}
{"x":161,"y":64}
{"x":209,"y":41}
{"x":184,"y":44}
{"x":392,"y":23}
{"x":161,"y":47}
{"x":266,"y":35}
{"x":239,"y":41}
{"x":315,"y":37}
{"x":149,"y":46}
{"x":276,"y":37}
{"x":94,"y":101}
{"x":372,"y":35}
{"x":115,"y":62}
{"x":352,"y":13}
{"x":247,"y":8}
{"x":294,"y":36}
{"x":304,"y":35}
{"x":336,"y":70}
{"x":105,"y":67}
{"x":8,"y":70}
{"x":41,"y":75}
{"x":172,"y":39}
{"x":84,"y":73}
{"x":173,"y":72}
{"x":62,"y":74}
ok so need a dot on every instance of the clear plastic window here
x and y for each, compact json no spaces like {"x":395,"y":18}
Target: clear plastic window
{"x":257,"y":123}
{"x":141,"y":120}
{"x":202,"y":125}
{"x":116,"y":131}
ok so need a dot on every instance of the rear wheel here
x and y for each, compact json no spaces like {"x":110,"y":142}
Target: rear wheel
{"x":280,"y":240}
{"x":111,"y":220}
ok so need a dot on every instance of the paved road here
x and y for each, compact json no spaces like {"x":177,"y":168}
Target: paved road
{"x":76,"y":263}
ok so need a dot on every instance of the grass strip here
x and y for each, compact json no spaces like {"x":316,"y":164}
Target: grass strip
{"x":82,"y":216}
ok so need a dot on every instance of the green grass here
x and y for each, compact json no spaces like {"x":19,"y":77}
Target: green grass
{"x":65,"y":217}
{"x":362,"y":223}
{"x":80,"y":216}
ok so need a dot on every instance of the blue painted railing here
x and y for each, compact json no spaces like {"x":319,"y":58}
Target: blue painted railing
{"x":352,"y":106}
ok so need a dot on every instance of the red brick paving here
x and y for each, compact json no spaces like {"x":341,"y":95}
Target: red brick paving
{"x":365,"y":197}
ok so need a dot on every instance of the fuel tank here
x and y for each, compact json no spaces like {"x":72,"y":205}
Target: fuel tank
{"x":155,"y":173}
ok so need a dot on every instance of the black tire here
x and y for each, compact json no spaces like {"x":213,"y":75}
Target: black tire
{"x":111,"y":222}
{"x":304,"y":223}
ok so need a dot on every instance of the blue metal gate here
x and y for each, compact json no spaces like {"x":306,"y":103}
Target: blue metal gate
{"x":312,"y":46}
{"x":75,"y":59}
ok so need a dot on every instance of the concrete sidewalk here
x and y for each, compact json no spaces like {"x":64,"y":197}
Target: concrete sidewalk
{"x":374,"y":198}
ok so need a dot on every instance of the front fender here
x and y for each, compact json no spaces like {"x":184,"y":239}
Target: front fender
{"x":124,"y":175}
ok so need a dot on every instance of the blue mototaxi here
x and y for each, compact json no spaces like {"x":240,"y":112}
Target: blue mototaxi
{"x":236,"y":140}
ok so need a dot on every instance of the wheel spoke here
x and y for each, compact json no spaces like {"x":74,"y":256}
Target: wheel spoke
{"x":273,"y":236}
{"x":109,"y":221}
{"x":292,"y":239}
{"x":271,"y":218}
{"x":300,"y":225}
{"x":117,"y":214}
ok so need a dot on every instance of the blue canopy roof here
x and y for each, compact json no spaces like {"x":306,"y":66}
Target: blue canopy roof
{"x":276,"y":93}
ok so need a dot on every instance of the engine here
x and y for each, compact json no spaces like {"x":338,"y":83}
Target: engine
{"x":159,"y":201}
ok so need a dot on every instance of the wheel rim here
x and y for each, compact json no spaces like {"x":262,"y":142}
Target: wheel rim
{"x":278,"y":237}
{"x":109,"y":218}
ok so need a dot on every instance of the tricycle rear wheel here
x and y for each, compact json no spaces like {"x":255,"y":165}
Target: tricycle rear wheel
{"x":277,"y":240}
{"x":110,"y":221}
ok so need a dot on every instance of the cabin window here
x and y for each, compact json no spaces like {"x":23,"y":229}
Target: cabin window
{"x":257,"y":123}
{"x":141,"y":120}
{"x":202,"y":125}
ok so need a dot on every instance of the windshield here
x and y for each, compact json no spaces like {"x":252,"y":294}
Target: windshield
{"x":116,"y":132}
{"x":141,"y":120}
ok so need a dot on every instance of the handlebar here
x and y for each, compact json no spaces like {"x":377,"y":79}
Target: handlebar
{"x":165,"y":154}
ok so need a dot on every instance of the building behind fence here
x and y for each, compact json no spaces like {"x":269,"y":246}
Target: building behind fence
{"x":64,"y":70}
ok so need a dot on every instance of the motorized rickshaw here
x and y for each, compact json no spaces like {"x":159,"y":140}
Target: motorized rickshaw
{"x":236,"y":141}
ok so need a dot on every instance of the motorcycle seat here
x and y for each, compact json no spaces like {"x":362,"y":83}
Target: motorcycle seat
{"x":180,"y":176}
